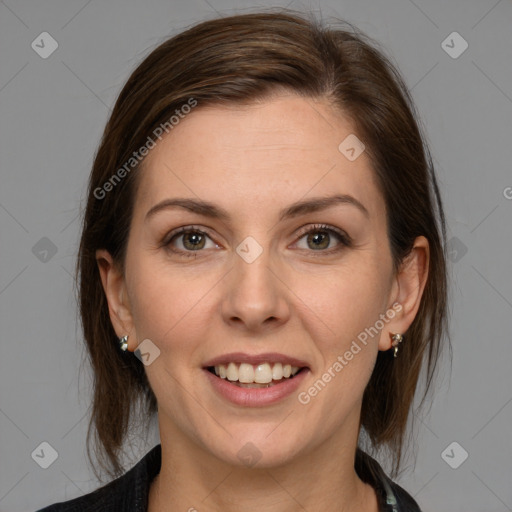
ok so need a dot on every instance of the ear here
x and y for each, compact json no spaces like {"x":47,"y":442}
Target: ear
{"x":407,"y":291}
{"x":117,"y":297}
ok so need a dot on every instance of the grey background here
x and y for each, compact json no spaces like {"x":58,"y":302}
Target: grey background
{"x":52,"y":114}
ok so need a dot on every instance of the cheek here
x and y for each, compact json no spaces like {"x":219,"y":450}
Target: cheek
{"x":343,"y":309}
{"x":343,"y":302}
{"x":346,"y":346}
{"x":169,"y":305}
{"x":153,"y":294}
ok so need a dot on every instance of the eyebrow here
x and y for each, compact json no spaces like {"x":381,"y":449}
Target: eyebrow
{"x":208,"y":209}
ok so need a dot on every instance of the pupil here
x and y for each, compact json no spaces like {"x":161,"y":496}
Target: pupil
{"x":319,"y":237}
{"x":193,"y":239}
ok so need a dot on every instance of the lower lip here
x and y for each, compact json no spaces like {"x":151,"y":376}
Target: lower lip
{"x":256,"y":397}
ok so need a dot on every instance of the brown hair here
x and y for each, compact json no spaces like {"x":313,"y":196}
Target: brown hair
{"x":239,"y":59}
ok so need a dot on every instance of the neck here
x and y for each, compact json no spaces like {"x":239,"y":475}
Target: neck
{"x":324,"y":479}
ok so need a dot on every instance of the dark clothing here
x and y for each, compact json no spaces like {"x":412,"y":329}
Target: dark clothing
{"x":129,"y":493}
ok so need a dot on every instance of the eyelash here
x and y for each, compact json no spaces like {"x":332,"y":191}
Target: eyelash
{"x":345,"y":240}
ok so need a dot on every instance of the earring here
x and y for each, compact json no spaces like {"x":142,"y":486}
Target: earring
{"x":123,"y":343}
{"x":397,"y":338}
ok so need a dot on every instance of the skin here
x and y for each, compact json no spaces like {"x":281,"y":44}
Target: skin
{"x":253,"y":161}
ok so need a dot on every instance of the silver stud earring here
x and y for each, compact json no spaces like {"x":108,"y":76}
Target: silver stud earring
{"x":397,"y":338}
{"x":123,"y":343}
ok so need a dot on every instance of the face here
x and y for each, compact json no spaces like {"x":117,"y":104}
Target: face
{"x":265,"y":279}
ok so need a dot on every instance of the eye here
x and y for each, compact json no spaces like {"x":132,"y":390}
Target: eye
{"x":187,"y":240}
{"x":319,"y":238}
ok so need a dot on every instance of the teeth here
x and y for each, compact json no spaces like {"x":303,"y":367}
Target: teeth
{"x":231,"y":372}
{"x":246,"y":373}
{"x":263,"y":373}
{"x":277,"y":372}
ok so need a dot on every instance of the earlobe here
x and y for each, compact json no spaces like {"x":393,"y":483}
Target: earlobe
{"x":114,"y":287}
{"x":408,"y":289}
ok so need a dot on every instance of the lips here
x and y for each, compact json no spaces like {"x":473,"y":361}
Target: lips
{"x":256,"y":395}
{"x":244,"y":379}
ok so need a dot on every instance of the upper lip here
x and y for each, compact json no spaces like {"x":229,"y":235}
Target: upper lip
{"x":255,"y":359}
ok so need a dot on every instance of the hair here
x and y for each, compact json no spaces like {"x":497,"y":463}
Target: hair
{"x":233,"y":61}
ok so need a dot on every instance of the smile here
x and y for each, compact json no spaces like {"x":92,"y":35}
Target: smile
{"x":255,"y":376}
{"x":253,"y":394}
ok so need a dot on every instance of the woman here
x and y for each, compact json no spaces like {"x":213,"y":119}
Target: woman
{"x":262,"y":263}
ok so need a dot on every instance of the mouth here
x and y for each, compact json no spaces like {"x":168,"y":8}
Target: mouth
{"x":263,"y":375}
{"x":256,"y":380}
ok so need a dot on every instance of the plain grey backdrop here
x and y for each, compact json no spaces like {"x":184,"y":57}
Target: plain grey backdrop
{"x":455,"y":56}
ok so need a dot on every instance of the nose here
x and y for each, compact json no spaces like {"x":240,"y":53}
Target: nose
{"x":255,"y":299}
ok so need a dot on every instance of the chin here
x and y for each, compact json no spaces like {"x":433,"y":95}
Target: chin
{"x":260,"y":451}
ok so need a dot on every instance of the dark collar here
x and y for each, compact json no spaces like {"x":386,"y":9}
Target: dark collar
{"x":130,"y":492}
{"x":370,"y":472}
{"x":391,"y":497}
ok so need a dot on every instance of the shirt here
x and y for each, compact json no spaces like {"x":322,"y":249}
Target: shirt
{"x":129,"y":492}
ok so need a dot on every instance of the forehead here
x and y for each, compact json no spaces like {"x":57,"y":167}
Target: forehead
{"x":263,"y":154}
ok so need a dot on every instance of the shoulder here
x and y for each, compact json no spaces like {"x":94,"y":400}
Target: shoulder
{"x":392,"y":497}
{"x":128,"y":492}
